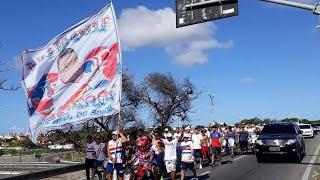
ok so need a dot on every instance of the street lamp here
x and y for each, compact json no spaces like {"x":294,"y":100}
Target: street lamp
{"x":211,"y":98}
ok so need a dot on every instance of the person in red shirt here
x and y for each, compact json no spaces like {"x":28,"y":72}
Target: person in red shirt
{"x":215,"y":142}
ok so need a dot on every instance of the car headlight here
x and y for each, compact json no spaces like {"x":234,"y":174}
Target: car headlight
{"x":290,"y":141}
{"x":259,"y":142}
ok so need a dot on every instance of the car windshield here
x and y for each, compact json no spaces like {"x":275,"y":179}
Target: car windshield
{"x":304,"y":127}
{"x":279,"y":129}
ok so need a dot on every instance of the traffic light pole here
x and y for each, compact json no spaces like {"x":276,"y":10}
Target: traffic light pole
{"x":314,"y":8}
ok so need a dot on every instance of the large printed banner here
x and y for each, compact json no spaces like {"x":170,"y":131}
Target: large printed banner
{"x":76,"y":77}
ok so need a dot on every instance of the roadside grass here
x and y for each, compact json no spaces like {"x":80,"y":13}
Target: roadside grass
{"x":22,"y":152}
{"x":73,"y":157}
{"x":316,"y":174}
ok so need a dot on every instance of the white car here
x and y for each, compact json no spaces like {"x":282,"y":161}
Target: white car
{"x":307,"y":130}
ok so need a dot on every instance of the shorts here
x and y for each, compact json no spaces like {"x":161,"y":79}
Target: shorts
{"x":89,"y":163}
{"x":159,"y":159}
{"x":216,"y":150}
{"x":243,"y":144}
{"x":187,"y":165}
{"x":171,"y":165}
{"x":237,"y":140}
{"x":231,"y":142}
{"x":205,"y":150}
{"x":97,"y":163}
{"x":197,"y":153}
{"x":118,"y":167}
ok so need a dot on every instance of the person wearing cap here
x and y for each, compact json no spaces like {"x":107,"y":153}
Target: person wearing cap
{"x":177,"y":134}
{"x":187,"y":158}
{"x":99,"y":154}
{"x":89,"y":156}
{"x":196,"y":140}
{"x":114,"y":151}
{"x":215,"y":141}
{"x":170,"y":154}
{"x":187,"y":131}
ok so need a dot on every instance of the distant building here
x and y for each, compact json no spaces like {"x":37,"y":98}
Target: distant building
{"x":6,"y":137}
{"x":43,"y":141}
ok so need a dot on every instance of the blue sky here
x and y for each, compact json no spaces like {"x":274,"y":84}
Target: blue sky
{"x":264,"y":62}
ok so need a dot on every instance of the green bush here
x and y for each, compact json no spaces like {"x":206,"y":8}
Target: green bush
{"x":12,"y":151}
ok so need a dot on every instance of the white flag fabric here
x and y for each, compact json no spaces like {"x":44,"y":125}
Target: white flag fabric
{"x":76,"y":77}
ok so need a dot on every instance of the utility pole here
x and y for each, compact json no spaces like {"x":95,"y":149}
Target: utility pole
{"x":211,"y":99}
{"x":314,"y":8}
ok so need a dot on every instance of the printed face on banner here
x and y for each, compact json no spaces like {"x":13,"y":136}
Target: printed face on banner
{"x":76,"y":77}
{"x":69,"y":67}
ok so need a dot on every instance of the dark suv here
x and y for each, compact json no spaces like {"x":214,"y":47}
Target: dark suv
{"x":284,"y":139}
{"x":316,"y":128}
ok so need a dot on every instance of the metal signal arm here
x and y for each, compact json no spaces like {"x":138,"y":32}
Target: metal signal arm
{"x":314,"y":8}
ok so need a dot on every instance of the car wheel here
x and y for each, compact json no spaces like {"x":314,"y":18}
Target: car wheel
{"x":260,"y":158}
{"x":312,"y":135}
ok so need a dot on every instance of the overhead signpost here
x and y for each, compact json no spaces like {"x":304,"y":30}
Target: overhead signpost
{"x":190,"y":12}
{"x":198,"y":11}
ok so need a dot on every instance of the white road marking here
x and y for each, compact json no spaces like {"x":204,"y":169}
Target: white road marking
{"x":239,"y":158}
{"x":204,"y":173}
{"x":309,"y":167}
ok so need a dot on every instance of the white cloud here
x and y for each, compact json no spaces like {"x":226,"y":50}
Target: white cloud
{"x":141,"y":27}
{"x":247,"y":80}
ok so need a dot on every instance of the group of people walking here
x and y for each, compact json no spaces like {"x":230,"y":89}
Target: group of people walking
{"x":156,"y":154}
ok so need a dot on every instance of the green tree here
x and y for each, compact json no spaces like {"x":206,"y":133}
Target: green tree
{"x":26,"y":144}
{"x":254,"y":121}
{"x":73,"y":136}
{"x":291,"y":120}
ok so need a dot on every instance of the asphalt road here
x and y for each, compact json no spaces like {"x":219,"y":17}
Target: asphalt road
{"x":245,"y":167}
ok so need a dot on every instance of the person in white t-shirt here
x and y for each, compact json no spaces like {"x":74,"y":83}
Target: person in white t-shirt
{"x":170,"y":155}
{"x":89,"y":156}
{"x":114,"y":151}
{"x":99,"y":149}
{"x":196,"y":140}
{"x":187,"y":159}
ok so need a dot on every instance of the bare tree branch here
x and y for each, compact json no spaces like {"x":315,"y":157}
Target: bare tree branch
{"x":168,"y":99}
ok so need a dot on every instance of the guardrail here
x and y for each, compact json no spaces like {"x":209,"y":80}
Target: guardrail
{"x":30,"y":166}
{"x":47,"y":173}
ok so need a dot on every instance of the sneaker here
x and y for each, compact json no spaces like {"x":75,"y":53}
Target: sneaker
{"x":195,"y":178}
{"x":200,"y":166}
